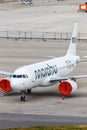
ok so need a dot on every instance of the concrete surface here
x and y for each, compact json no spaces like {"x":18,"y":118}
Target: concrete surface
{"x":43,"y":17}
{"x":13,"y":54}
{"x":46,"y":100}
{"x":29,"y":120}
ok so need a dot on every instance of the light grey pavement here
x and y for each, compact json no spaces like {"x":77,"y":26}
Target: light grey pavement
{"x":13,"y":54}
{"x":42,"y":101}
{"x":58,"y":17}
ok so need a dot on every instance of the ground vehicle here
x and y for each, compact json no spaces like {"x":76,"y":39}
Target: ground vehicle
{"x":83,"y":7}
{"x":25,"y":1}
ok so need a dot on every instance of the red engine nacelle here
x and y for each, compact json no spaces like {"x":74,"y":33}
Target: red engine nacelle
{"x":67,"y":87}
{"x":5,"y":85}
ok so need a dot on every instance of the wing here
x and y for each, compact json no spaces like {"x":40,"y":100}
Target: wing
{"x":5,"y":73}
{"x":83,"y":59}
{"x":59,"y":79}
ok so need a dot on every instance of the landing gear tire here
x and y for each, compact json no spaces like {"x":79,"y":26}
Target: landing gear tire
{"x":23,"y":97}
{"x":29,"y":90}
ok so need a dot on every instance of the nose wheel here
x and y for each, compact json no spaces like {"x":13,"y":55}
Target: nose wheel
{"x":23,"y":97}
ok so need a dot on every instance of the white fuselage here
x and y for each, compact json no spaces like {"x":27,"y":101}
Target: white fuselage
{"x":39,"y":74}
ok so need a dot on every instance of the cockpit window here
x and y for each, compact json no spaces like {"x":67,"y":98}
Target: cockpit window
{"x":14,"y":76}
{"x":20,"y":76}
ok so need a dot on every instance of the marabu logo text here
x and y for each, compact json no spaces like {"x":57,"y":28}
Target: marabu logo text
{"x":46,"y":71}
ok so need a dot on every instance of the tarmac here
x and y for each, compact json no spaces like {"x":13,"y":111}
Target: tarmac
{"x":42,"y":16}
{"x":43,"y":101}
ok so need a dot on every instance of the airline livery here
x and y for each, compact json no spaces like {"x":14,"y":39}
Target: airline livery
{"x":46,"y":73}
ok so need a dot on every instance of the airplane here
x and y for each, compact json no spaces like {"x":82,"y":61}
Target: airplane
{"x":46,"y":73}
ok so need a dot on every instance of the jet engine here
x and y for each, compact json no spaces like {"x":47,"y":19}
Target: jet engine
{"x":5,"y":85}
{"x":67,"y":87}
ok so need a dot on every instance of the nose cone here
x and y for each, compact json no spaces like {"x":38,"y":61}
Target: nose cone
{"x":17,"y":84}
{"x":20,"y":79}
{"x":14,"y":84}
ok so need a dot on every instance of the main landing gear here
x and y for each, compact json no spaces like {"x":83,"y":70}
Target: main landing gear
{"x":23,"y":97}
{"x":28,"y":90}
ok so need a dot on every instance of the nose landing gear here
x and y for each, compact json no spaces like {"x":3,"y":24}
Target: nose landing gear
{"x":23,"y":97}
